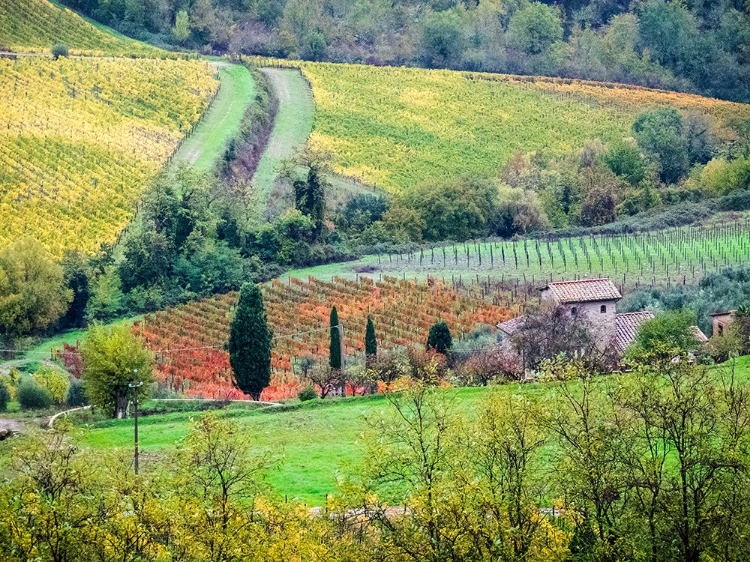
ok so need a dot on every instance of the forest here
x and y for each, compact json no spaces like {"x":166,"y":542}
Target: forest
{"x":694,"y":46}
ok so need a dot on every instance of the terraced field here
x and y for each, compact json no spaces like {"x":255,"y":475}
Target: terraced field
{"x":35,"y":25}
{"x":398,"y":127}
{"x":81,"y":138}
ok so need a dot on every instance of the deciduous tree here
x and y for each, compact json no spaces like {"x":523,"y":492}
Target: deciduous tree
{"x":33,"y":293}
{"x":113,"y":359}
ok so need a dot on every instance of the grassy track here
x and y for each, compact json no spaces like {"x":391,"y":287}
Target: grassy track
{"x":673,"y":255}
{"x":294,"y":120}
{"x":222,"y":122}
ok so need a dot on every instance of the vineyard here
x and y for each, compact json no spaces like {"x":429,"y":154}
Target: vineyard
{"x":189,"y":340}
{"x":81,"y":138}
{"x":667,"y":257}
{"x":399,"y":127}
{"x":35,"y":25}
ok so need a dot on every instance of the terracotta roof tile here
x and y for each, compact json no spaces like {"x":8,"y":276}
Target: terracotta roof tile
{"x":699,"y":335}
{"x":626,"y":328}
{"x":585,"y":290}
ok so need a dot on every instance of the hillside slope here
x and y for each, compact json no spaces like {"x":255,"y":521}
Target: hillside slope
{"x":80,"y":139}
{"x":35,"y":25}
{"x":399,"y":127}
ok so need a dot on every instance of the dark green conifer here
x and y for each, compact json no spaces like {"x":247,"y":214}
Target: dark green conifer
{"x":335,"y":347}
{"x":310,"y":198}
{"x":250,"y":343}
{"x":439,"y":338}
{"x":371,"y":342}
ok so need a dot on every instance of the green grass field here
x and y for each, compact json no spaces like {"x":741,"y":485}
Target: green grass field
{"x":675,"y":255}
{"x":318,"y":441}
{"x":222,"y":122}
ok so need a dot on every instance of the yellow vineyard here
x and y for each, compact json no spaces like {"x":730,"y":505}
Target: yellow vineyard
{"x":81,"y":138}
{"x":35,"y":25}
{"x":399,"y":127}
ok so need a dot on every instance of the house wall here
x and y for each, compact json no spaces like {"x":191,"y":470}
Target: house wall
{"x":720,"y":323}
{"x":602,"y":324}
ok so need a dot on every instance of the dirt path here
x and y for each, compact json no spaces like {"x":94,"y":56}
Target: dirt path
{"x":6,"y":366}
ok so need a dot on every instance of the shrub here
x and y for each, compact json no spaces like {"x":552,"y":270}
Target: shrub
{"x":31,"y":396}
{"x":76,"y":395}
{"x":4,"y":397}
{"x":307,"y":393}
{"x":439,"y":338}
{"x":53,"y":381}
{"x":12,"y":382}
{"x":60,"y":50}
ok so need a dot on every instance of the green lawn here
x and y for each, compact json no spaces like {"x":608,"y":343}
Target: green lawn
{"x":222,"y":121}
{"x":317,"y":441}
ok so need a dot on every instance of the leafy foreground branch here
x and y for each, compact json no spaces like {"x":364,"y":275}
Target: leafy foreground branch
{"x":649,"y":465}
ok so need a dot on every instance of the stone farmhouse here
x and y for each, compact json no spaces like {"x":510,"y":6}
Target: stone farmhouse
{"x":721,"y":321}
{"x":595,"y":301}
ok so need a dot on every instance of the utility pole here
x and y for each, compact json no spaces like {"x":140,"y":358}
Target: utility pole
{"x":135,"y":415}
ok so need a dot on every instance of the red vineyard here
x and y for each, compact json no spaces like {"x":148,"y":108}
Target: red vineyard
{"x":189,"y":340}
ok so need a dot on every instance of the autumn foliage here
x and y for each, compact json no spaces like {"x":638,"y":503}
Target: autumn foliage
{"x":190,"y":339}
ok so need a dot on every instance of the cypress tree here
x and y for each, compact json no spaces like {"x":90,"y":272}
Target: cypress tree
{"x":335,"y":347}
{"x":310,"y":198}
{"x":250,"y":343}
{"x":439,"y":339}
{"x":371,"y":342}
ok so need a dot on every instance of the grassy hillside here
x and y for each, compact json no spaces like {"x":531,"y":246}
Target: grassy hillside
{"x":80,"y":139}
{"x":399,"y":127}
{"x":291,"y":129}
{"x":319,"y":441}
{"x":35,"y":25}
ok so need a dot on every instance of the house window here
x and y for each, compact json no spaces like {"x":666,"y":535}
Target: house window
{"x":574,"y":311}
{"x":721,"y":330}
{"x":603,"y":309}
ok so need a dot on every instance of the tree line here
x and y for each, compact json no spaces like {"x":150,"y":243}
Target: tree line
{"x":692,"y":46}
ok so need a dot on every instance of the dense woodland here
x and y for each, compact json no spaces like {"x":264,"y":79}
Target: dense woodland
{"x":696,"y":46}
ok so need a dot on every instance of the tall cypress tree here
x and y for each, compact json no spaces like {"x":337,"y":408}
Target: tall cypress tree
{"x":335,"y":347}
{"x":371,"y":342}
{"x":310,"y":198}
{"x":250,"y":343}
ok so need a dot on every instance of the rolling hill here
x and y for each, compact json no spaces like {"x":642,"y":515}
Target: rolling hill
{"x":80,"y":139}
{"x":35,"y":25}
{"x":398,"y":127}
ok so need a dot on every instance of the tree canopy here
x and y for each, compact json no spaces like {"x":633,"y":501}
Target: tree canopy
{"x":114,"y":358}
{"x":33,"y":292}
{"x":439,"y":339}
